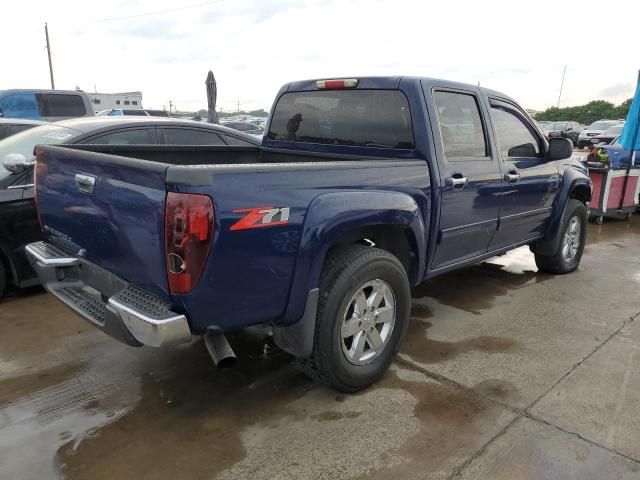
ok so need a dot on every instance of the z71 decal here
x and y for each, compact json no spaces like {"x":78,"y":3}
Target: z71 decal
{"x":261,"y":217}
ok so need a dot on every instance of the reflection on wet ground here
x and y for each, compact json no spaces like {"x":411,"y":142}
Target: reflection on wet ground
{"x":613,"y":231}
{"x":192,"y":411}
{"x":475,"y":288}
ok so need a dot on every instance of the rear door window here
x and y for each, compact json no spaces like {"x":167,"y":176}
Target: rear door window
{"x":461,"y":127}
{"x":366,"y":118}
{"x":61,"y":105}
{"x":190,"y":136}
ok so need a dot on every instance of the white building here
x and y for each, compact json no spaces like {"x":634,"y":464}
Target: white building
{"x":107,"y":101}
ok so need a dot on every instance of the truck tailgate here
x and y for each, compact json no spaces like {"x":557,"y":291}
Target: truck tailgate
{"x":107,"y":209}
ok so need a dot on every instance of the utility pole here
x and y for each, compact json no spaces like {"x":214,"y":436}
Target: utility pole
{"x":561,"y":85}
{"x":46,"y":34}
{"x":238,"y":106}
{"x":170,"y":106}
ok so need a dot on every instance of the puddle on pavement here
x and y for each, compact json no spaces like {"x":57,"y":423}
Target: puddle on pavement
{"x":477,"y":287}
{"x":614,"y":232}
{"x":453,"y":425}
{"x":188,"y":419}
{"x":422,"y":349}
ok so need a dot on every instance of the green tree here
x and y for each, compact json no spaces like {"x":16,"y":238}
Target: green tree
{"x":587,"y":113}
{"x":259,"y":113}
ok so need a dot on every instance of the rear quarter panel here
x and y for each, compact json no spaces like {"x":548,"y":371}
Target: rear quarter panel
{"x":260,"y":275}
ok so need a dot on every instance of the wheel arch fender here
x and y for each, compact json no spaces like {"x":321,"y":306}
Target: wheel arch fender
{"x":576,"y":185}
{"x":334,"y":216}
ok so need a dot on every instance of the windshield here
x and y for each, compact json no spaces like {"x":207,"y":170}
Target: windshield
{"x":25,"y":142}
{"x":614,"y":131}
{"x":557,"y":126}
{"x":601,"y":125}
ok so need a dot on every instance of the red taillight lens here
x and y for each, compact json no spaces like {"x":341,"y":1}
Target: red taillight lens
{"x":188,"y":232}
{"x":337,"y":84}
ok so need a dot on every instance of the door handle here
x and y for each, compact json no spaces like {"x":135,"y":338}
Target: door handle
{"x":457,"y":180}
{"x":511,"y":176}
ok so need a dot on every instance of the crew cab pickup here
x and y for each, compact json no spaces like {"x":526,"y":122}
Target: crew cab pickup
{"x":361,"y":188}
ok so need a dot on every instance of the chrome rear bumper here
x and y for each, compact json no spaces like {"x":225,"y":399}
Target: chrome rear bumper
{"x":108,"y":302}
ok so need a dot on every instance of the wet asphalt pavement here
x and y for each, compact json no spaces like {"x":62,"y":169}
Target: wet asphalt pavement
{"x":505,"y":374}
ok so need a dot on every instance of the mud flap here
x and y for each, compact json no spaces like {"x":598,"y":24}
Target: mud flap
{"x":297,"y":338}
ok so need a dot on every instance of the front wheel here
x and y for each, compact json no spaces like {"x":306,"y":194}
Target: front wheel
{"x":363,"y":313}
{"x":567,"y":256}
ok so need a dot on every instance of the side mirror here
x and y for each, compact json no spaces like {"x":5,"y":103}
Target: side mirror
{"x":559,"y":149}
{"x":16,"y":162}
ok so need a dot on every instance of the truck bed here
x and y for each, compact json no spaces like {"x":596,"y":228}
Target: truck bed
{"x":120,"y":225}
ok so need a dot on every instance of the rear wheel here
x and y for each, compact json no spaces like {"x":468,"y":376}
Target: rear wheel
{"x":567,"y":256}
{"x":363,"y":313}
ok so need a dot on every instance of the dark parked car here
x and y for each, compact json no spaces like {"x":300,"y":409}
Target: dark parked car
{"x":48,"y":105}
{"x":608,"y":136}
{"x":19,"y":224}
{"x":361,"y":188}
{"x":11,"y":126}
{"x":246,"y":127}
{"x":570,"y":130}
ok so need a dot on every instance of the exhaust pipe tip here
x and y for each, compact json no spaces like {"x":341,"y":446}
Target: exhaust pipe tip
{"x":227,"y":362}
{"x":220,"y":351}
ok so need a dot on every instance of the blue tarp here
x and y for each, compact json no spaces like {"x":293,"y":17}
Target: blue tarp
{"x":630,"y":136}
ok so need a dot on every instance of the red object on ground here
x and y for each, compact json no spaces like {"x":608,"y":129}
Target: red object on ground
{"x":609,"y":188}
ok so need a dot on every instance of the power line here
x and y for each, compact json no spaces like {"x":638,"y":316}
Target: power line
{"x":158,"y":12}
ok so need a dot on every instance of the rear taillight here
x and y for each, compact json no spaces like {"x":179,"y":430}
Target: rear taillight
{"x":188,"y":232}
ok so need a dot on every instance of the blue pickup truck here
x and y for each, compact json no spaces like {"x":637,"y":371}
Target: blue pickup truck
{"x":361,"y":188}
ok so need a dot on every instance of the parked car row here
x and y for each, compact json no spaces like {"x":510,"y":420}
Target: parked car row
{"x":246,"y":127}
{"x":596,"y":128}
{"x":581,"y":136}
{"x":19,"y":221}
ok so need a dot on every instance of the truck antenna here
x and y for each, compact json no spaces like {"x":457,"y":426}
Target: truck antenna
{"x":46,"y":34}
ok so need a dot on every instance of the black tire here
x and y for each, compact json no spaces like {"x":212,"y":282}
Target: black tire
{"x":556,"y":263}
{"x":345,"y":271}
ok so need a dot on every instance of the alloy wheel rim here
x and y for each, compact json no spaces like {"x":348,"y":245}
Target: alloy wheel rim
{"x":367,"y":322}
{"x":571,"y":241}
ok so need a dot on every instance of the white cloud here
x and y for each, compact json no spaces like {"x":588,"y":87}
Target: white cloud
{"x":254,"y":46}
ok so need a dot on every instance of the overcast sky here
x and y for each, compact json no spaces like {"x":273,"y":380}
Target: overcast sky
{"x":254,"y":46}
